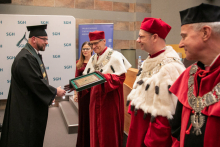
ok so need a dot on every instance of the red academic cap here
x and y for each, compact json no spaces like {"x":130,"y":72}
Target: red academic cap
{"x":96,"y":35}
{"x":155,"y":26}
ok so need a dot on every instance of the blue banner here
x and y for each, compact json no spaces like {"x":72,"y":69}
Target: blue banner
{"x":84,"y":30}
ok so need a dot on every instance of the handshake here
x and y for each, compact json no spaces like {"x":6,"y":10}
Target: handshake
{"x":61,"y":92}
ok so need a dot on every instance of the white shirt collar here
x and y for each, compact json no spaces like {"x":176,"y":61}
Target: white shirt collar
{"x":36,"y":51}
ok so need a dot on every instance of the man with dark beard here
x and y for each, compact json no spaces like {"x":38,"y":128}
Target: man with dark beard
{"x":29,"y":96}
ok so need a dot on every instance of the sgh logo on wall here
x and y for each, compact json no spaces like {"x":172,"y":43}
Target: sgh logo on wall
{"x":59,"y":57}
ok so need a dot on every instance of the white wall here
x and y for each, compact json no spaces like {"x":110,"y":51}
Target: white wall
{"x":59,"y":57}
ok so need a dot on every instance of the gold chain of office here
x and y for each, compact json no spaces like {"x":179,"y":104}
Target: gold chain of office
{"x":105,"y":61}
{"x":157,"y":68}
{"x":199,"y":103}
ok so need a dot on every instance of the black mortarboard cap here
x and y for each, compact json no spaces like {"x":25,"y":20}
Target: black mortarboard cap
{"x":38,"y":30}
{"x":200,"y":13}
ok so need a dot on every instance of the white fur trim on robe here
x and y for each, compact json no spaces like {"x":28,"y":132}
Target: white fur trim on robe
{"x":164,"y":103}
{"x":117,"y":61}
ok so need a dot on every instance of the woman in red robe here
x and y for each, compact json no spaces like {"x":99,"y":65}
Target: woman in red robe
{"x":83,"y":99}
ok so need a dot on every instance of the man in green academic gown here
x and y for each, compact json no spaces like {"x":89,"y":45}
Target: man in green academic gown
{"x":29,"y":96}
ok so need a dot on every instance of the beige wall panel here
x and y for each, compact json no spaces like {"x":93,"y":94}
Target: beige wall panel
{"x":137,"y":25}
{"x":84,"y":4}
{"x":132,"y":44}
{"x":131,"y":1}
{"x":140,"y":16}
{"x":77,"y":13}
{"x":103,"y":5}
{"x":144,"y":1}
{"x":22,"y":2}
{"x":124,"y":35}
{"x":102,"y":21}
{"x":45,"y":3}
{"x":143,"y":8}
{"x":82,"y":21}
{"x":121,"y":44}
{"x":124,"y":7}
{"x":131,"y":7}
{"x":65,"y":3}
{"x":120,"y":25}
{"x":131,"y":26}
{"x":169,"y":12}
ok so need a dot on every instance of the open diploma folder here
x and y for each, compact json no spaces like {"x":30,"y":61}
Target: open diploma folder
{"x":86,"y":81}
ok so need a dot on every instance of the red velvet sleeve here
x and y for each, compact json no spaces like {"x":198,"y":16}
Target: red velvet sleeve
{"x":129,"y":109}
{"x":112,"y":82}
{"x":77,"y":73}
{"x":159,"y":132}
{"x":80,"y":71}
{"x":175,"y":142}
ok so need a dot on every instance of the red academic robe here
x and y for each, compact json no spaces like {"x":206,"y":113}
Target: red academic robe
{"x":83,"y":137}
{"x":180,"y":89}
{"x":107,"y":112}
{"x":143,"y":133}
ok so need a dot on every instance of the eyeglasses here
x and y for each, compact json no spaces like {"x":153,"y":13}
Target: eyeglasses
{"x":44,"y":39}
{"x":86,"y":49}
{"x":141,"y":37}
{"x":95,"y":43}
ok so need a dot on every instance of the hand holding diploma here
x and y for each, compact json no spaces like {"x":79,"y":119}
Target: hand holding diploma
{"x":68,"y":88}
